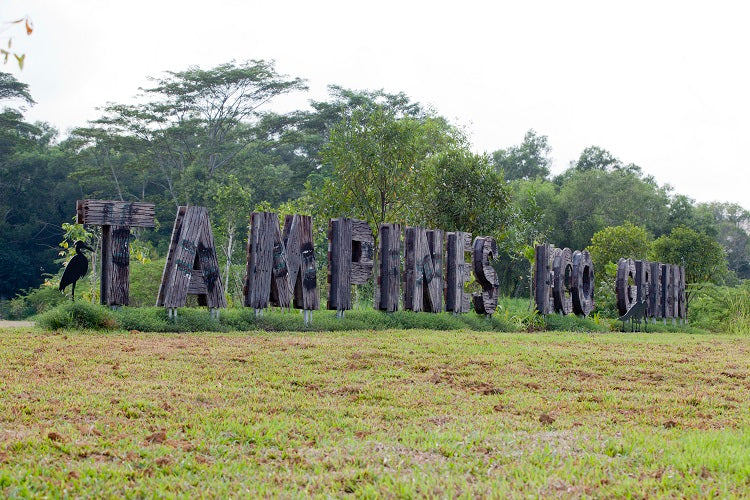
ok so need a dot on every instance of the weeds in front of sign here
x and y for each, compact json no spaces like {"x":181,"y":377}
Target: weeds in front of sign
{"x":388,"y":413}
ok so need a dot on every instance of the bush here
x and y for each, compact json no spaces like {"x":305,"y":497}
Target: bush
{"x":78,"y":315}
{"x":33,"y":301}
{"x":572,"y":323}
{"x":144,"y":282}
{"x":721,"y":308}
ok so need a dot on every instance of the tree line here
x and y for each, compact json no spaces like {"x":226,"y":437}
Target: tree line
{"x":208,"y":137}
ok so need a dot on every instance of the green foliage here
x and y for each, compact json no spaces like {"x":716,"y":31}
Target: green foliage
{"x":154,"y":319}
{"x":78,"y":315}
{"x":596,"y":158}
{"x":528,"y":160}
{"x":33,"y":301}
{"x":590,"y":200}
{"x":379,"y":165}
{"x":145,"y":278}
{"x":722,"y":309}
{"x":572,"y":323}
{"x":606,"y":248}
{"x":703,"y":257}
{"x":462,"y":192}
{"x":612,"y":243}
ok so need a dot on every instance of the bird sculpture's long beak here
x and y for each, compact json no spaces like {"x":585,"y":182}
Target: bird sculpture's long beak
{"x":87,"y":247}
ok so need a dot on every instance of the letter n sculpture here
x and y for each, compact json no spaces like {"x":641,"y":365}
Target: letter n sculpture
{"x":192,"y":266}
{"x":116,"y":219}
{"x":281,"y":267}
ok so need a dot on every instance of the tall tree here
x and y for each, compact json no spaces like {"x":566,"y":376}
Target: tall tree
{"x":703,"y":258}
{"x":528,"y":160}
{"x":464,"y":192}
{"x":379,"y":162}
{"x":195,"y":123}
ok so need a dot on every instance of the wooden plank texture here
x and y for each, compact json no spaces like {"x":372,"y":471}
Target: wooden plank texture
{"x":267,"y":272}
{"x":484,"y":251}
{"x":423,"y":283}
{"x":562,"y":269}
{"x":300,"y":253}
{"x":542,"y":279}
{"x":643,"y":282}
{"x":192,"y":266}
{"x":458,"y":272}
{"x":339,"y":264}
{"x":667,"y":294}
{"x":582,"y":287}
{"x":625,"y":287}
{"x":683,"y":295}
{"x":389,"y":268}
{"x":167,"y":275}
{"x":115,"y":213}
{"x":654,"y":295}
{"x":115,"y":282}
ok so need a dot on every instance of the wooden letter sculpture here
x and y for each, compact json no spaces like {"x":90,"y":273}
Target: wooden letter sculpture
{"x":423,"y":270}
{"x":659,"y":287}
{"x":267,"y":272}
{"x":300,"y":254}
{"x":281,"y":268}
{"x":192,"y":266}
{"x":543,"y":279}
{"x":483,"y":252}
{"x":562,"y":267}
{"x":563,"y":281}
{"x":389,"y":268}
{"x":350,"y":253}
{"x":116,"y":219}
{"x":458,"y":272}
{"x":626,"y":288}
{"x":582,"y":286}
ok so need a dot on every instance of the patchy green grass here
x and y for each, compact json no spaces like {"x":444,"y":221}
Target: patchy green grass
{"x":389,"y":413}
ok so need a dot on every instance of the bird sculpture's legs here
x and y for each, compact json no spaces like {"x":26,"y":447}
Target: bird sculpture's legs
{"x":74,"y":291}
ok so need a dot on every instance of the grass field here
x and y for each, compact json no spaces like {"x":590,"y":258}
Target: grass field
{"x":394,"y":413}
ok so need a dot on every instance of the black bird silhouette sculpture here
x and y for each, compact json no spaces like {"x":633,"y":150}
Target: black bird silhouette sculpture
{"x":76,"y":268}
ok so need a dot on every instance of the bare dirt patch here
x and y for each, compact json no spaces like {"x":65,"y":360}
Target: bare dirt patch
{"x":4,"y":323}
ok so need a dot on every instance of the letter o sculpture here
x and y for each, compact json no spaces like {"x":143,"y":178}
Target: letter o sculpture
{"x":582,"y":286}
{"x":562,"y":266}
{"x":625,"y":291}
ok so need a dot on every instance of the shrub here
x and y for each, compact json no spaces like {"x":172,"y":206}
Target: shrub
{"x":78,"y":315}
{"x":721,"y":308}
{"x":33,"y":301}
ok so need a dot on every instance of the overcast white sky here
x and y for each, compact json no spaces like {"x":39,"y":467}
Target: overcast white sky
{"x":663,"y":84}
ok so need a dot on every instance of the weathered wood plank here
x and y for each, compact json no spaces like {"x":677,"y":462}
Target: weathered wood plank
{"x":542,"y":279}
{"x":436,"y":284}
{"x":676,"y":291}
{"x":643,"y":283}
{"x":300,"y":252}
{"x":267,"y":272}
{"x":192,"y":266}
{"x":582,"y":287}
{"x":339,"y":264}
{"x":115,"y":213}
{"x":389,"y":268}
{"x":167,"y":275}
{"x":423,"y":283}
{"x":115,"y":280}
{"x":562,"y":269}
{"x":209,"y":266}
{"x":458,"y":272}
{"x":654,"y":296}
{"x":625,"y":287}
{"x":667,"y":294}
{"x":683,"y":294}
{"x":484,"y":251}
